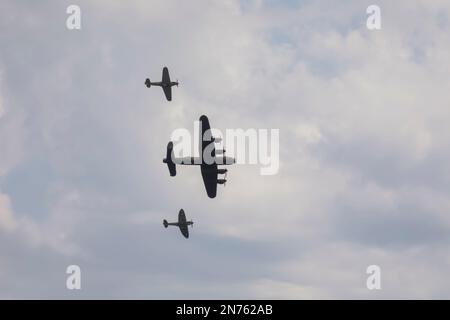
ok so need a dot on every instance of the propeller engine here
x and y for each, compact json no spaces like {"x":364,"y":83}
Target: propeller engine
{"x":222,"y":171}
{"x":222,"y":181}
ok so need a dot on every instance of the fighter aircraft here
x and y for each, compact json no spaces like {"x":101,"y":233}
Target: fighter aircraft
{"x":182,"y":223}
{"x":208,"y":164}
{"x":166,"y":84}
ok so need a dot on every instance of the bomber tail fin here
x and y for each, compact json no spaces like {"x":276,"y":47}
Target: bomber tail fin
{"x":148,"y":83}
{"x":165,"y":223}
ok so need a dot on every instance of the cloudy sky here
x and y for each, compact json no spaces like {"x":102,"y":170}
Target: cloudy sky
{"x":364,"y":149}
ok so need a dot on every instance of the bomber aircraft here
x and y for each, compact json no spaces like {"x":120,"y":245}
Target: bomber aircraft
{"x":208,"y":161}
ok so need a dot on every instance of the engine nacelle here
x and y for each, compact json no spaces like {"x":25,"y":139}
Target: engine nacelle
{"x":221,"y":181}
{"x":220,"y":151}
{"x":216,"y":139}
{"x":222,"y":171}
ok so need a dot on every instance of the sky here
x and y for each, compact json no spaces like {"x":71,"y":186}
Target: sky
{"x":364,"y":175}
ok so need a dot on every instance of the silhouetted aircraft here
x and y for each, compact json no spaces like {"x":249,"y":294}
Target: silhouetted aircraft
{"x":166,"y":84}
{"x":208,"y":167}
{"x":182,"y":223}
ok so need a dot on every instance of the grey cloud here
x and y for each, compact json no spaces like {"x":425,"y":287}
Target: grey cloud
{"x":84,"y":141}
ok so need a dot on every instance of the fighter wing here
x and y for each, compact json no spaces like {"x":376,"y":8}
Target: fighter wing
{"x":181,"y":217}
{"x":165,"y":75}
{"x":168,"y":92}
{"x":184,"y":230}
{"x":209,"y":174}
{"x":182,"y":223}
